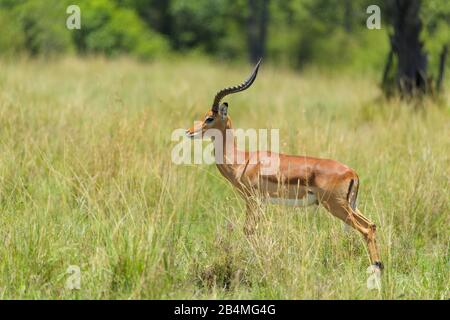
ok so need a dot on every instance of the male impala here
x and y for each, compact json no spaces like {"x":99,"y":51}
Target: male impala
{"x":295,"y":180}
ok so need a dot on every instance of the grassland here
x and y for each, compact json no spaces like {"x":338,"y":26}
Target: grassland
{"x":86,"y":179}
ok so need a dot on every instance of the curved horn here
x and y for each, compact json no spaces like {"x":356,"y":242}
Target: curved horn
{"x":241,"y":87}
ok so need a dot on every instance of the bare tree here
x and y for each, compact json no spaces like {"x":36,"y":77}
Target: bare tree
{"x":257,"y":22}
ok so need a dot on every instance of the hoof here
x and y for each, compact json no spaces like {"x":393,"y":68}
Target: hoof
{"x":374,"y":279}
{"x":379,"y":264}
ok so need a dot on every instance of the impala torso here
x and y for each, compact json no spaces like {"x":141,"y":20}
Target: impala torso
{"x":285,"y":179}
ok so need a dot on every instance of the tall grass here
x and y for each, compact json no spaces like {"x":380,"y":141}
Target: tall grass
{"x":86,"y":179}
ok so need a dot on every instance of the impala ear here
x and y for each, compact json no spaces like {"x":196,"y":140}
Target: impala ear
{"x":223,"y":110}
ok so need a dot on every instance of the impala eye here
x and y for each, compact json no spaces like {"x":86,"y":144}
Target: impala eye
{"x":209,"y":119}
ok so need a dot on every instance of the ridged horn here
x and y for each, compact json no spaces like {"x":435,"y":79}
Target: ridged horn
{"x":241,"y":87}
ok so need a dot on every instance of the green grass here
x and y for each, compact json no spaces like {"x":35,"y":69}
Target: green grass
{"x":86,"y":179}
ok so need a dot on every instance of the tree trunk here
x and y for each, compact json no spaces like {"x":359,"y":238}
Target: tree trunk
{"x":411,"y":75}
{"x":257,"y":28}
{"x":442,"y":59}
{"x":348,"y":15}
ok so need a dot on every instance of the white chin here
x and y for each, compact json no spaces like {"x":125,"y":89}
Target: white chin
{"x":194,"y":135}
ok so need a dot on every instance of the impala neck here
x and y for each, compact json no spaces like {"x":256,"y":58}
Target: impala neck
{"x":228,"y":159}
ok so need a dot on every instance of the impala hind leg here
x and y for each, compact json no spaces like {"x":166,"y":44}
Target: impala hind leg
{"x":358,"y":221}
{"x":370,"y":237}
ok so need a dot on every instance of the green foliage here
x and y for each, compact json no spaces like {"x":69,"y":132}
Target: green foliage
{"x":436,"y":33}
{"x":12,"y":39}
{"x":214,"y":26}
{"x":301,"y":33}
{"x":326,"y":34}
{"x":39,"y":26}
{"x":111,"y":30}
{"x":86,"y":179}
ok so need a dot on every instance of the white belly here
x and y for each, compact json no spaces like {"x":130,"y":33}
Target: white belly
{"x":307,"y":200}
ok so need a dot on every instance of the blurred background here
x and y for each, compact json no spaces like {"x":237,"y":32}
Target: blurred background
{"x":329,"y":34}
{"x":87,"y":116}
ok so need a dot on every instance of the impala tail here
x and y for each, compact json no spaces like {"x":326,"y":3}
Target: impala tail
{"x":352,"y":194}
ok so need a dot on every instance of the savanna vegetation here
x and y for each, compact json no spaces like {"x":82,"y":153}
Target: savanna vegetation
{"x":86,"y":179}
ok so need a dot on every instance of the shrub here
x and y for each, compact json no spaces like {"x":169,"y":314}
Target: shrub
{"x":12,"y":40}
{"x":43,"y":26}
{"x":108,"y":29}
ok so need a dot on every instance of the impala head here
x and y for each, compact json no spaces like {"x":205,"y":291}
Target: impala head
{"x":217,"y":116}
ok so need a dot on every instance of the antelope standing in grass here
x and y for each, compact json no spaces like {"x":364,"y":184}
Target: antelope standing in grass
{"x":294,"y":180}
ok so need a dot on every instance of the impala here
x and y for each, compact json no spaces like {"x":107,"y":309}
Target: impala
{"x":294,"y":180}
